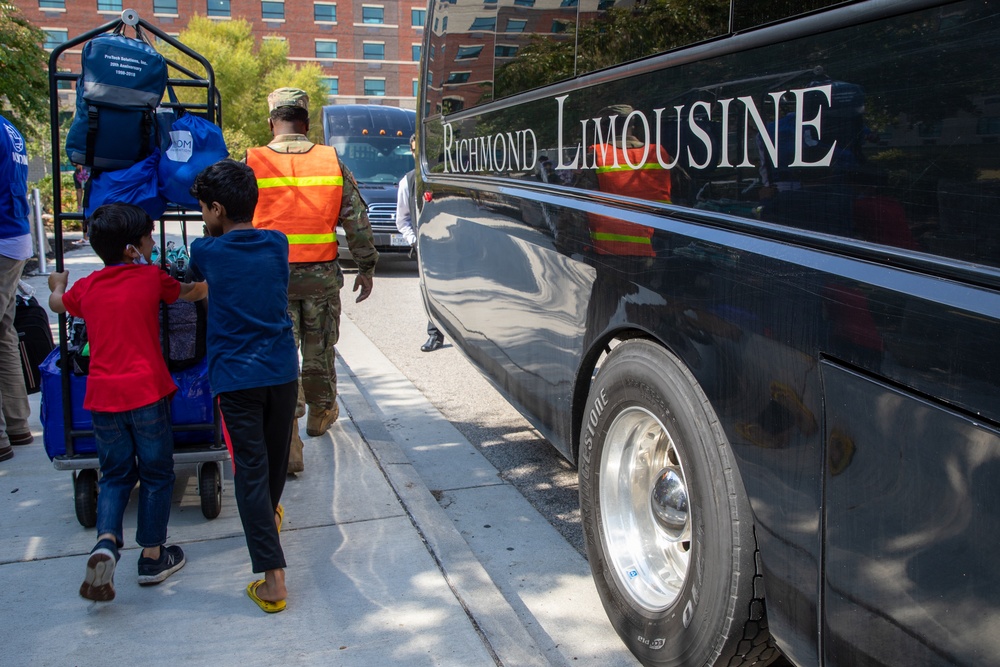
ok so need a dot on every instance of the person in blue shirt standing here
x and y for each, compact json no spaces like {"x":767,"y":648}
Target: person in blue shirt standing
{"x":253,"y":362}
{"x":15,"y":249}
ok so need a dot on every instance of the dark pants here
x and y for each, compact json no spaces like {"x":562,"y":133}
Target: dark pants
{"x":433,"y":330}
{"x":257,"y":426}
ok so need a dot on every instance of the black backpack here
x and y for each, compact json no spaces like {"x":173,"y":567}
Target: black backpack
{"x":34,"y":339}
{"x":122,"y":83}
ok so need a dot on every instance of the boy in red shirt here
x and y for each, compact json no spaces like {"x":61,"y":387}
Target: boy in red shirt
{"x":128,"y":391}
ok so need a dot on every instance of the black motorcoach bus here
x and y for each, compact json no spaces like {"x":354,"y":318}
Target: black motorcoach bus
{"x":739,"y":260}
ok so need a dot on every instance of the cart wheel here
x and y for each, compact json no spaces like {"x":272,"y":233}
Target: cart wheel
{"x":210,"y":489}
{"x":85,"y":497}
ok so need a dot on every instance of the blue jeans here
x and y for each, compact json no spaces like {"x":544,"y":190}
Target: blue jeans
{"x":136,"y":445}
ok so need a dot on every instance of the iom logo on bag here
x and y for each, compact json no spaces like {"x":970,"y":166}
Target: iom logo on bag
{"x":181,"y":146}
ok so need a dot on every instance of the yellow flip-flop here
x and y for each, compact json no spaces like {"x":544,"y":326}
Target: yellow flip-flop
{"x":266,"y":605}
{"x":280,"y":511}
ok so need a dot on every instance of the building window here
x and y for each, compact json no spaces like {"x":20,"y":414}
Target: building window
{"x":516,"y":25}
{"x":165,"y":7}
{"x":559,"y":26}
{"x":109,"y":5}
{"x":524,"y":3}
{"x":373,"y":51}
{"x":468,"y":52}
{"x":325,"y":13}
{"x":272,"y":11}
{"x":332,"y":84}
{"x":505,"y":51}
{"x":54,"y":38}
{"x":218,"y":8}
{"x":51,"y":4}
{"x":569,"y":3}
{"x":415,"y":52}
{"x":458,"y":77}
{"x":372,"y":14}
{"x":416,"y":87}
{"x":418,"y":17}
{"x":326,"y":50}
{"x":375,"y":87}
{"x":483,"y":23}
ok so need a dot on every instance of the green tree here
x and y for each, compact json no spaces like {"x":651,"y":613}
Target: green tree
{"x":245,"y":72}
{"x":24,"y":86}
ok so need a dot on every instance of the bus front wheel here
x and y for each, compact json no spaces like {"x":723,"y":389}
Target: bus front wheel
{"x":668,"y":528}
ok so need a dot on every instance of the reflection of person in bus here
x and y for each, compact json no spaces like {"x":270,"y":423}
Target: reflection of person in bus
{"x":648,"y":180}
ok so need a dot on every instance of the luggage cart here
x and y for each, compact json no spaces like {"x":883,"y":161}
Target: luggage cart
{"x":197,"y":443}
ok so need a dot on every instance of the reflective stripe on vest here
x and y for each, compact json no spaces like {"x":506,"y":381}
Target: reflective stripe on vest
{"x":299,"y":194}
{"x":648,"y":180}
{"x":615,"y":237}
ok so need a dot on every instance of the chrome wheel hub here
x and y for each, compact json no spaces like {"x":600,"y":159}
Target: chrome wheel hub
{"x":645,"y":509}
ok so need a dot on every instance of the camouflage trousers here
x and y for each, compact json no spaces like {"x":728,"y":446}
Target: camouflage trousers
{"x":314,"y":306}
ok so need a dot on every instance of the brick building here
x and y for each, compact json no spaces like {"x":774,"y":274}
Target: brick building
{"x":369,"y":50}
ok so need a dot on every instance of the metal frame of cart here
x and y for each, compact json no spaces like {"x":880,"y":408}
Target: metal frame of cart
{"x":84,"y":466}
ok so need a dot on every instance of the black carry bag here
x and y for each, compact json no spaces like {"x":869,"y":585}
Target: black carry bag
{"x":34,"y":339}
{"x":183,"y":333}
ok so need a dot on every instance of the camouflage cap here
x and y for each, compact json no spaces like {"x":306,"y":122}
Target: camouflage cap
{"x":615,"y":110}
{"x":288,"y":97}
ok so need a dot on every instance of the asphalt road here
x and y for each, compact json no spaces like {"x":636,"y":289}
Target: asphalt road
{"x":393,"y":318}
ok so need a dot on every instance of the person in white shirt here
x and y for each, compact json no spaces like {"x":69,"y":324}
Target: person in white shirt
{"x":404,"y":223}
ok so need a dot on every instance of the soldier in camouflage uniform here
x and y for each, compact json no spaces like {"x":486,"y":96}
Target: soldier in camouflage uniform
{"x":314,"y":286}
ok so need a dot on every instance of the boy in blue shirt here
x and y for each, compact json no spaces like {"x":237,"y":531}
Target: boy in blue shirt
{"x":252,"y":360}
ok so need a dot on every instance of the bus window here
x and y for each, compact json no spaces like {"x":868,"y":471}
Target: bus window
{"x":833,"y":133}
{"x":462,"y":40}
{"x":753,"y":13}
{"x":613,"y":33}
{"x":542,"y":37}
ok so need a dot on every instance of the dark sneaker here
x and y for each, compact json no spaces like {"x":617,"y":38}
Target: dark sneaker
{"x":18,"y":439}
{"x":99,"y":583}
{"x":154,"y":571}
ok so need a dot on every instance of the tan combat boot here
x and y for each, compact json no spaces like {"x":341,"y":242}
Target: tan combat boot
{"x":295,"y":462}
{"x":320,"y":420}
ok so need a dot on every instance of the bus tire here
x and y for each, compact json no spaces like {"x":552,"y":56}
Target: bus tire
{"x":667,"y":524}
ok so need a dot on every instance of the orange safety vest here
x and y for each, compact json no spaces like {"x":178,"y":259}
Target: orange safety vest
{"x":647,"y":181}
{"x":299,"y":195}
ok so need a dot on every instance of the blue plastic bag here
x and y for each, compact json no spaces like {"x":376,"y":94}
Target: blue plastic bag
{"x":194,"y":143}
{"x":135,"y":185}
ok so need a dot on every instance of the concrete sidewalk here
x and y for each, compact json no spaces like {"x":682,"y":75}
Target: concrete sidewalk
{"x":403,"y":545}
